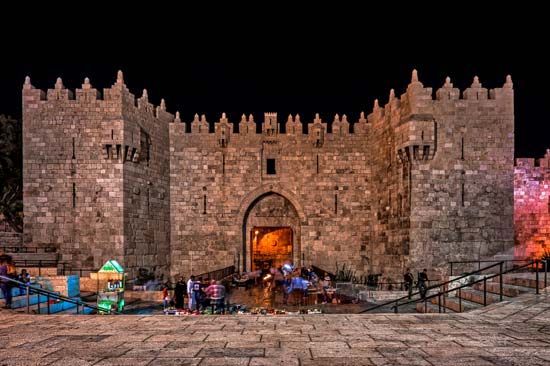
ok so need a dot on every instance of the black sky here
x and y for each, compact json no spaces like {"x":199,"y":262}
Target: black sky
{"x":289,"y":63}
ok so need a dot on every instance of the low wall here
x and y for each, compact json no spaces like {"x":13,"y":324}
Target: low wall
{"x":37,"y":272}
{"x":88,"y":284}
{"x":66,"y":285}
{"x":144,"y":295}
{"x":362,"y":292}
{"x":11,"y":239}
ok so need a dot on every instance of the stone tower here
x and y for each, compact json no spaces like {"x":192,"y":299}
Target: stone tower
{"x":96,"y":175}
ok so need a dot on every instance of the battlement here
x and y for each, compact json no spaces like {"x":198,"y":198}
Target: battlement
{"x":530,"y":163}
{"x":419,"y":100}
{"x":34,"y":98}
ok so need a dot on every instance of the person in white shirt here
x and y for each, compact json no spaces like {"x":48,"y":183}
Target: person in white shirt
{"x":190,"y":283}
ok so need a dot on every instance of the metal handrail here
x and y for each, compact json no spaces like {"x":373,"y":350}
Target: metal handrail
{"x":54,"y":295}
{"x":484,"y":280}
{"x":451,"y":263}
{"x":429,"y":288}
{"x":218,"y":274}
{"x":10,"y":249}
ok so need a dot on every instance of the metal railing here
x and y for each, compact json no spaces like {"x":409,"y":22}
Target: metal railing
{"x":24,"y":249}
{"x":453,"y":264}
{"x":444,"y":288}
{"x":441,"y":294}
{"x":66,"y":270}
{"x":52,"y":295}
{"x":218,"y":274}
{"x":407,"y":297}
{"x":34,"y":263}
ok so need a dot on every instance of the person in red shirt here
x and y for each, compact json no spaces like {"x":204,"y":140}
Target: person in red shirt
{"x":216,"y":293}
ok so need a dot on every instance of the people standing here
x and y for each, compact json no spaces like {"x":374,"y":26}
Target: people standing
{"x":190,"y":300}
{"x":5,"y":284}
{"x":179,"y":293}
{"x":197,"y":294}
{"x":408,"y":280}
{"x":327,"y":284}
{"x":422,"y":283}
{"x":216,"y":294}
{"x":165,"y":296}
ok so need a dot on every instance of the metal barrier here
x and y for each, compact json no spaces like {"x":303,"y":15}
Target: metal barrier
{"x":445,"y":289}
{"x":218,"y":274}
{"x":24,"y":249}
{"x":52,"y":295}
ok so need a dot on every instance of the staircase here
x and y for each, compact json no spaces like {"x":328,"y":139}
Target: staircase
{"x":41,"y":301}
{"x":484,"y":293}
{"x":496,"y":281}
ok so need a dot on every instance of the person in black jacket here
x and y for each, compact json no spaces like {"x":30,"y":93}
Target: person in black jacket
{"x":408,"y":280}
{"x":422,"y":282}
{"x":180,"y":291}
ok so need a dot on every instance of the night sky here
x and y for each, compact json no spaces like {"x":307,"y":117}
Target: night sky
{"x":286,"y":65}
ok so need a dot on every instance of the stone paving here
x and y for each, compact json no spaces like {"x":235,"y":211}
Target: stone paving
{"x":510,"y":333}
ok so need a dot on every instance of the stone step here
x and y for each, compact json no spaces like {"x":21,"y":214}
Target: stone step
{"x":453,"y":303}
{"x":526,"y":280}
{"x":21,"y":301}
{"x":81,"y":311}
{"x":430,"y":308}
{"x":55,"y":307}
{"x":476,"y":296}
{"x":507,"y":290}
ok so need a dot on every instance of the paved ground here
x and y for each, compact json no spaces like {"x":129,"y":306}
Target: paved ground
{"x":510,"y":333}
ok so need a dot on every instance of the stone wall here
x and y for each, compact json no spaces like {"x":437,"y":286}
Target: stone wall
{"x":532,"y":207}
{"x":418,"y":182}
{"x":217,"y":179}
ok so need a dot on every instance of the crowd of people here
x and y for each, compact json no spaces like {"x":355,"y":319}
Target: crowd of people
{"x":288,"y":279}
{"x":200,"y":294}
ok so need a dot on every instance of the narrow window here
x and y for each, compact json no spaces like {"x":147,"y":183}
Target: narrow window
{"x":74,"y":156}
{"x":204,"y":204}
{"x":462,"y":148}
{"x":74,"y":195}
{"x":271,"y":167}
{"x":336,"y":203}
{"x":317,"y":164}
{"x":462,"y":193}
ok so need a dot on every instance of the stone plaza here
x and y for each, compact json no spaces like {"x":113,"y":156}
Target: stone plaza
{"x":507,"y":333}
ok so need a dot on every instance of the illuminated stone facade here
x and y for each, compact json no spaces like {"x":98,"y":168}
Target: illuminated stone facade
{"x":532,"y":207}
{"x":418,"y":182}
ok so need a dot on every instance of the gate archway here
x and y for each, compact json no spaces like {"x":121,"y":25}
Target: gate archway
{"x":271,"y":230}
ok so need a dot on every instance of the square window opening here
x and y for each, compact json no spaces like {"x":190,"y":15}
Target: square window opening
{"x":271,"y":167}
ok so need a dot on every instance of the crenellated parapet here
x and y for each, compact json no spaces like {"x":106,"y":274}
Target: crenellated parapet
{"x":532,"y":163}
{"x":414,"y":116}
{"x":113,"y":98}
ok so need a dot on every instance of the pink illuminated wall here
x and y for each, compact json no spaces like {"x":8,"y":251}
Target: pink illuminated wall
{"x":532,"y":207}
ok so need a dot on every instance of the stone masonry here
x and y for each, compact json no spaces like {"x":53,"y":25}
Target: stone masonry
{"x":532,"y":206}
{"x":418,"y":182}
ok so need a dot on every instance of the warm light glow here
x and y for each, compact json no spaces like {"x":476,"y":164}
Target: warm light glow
{"x":256,"y":232}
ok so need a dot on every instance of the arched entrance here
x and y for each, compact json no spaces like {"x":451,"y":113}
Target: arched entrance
{"x":270,"y":246}
{"x":271,"y":232}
